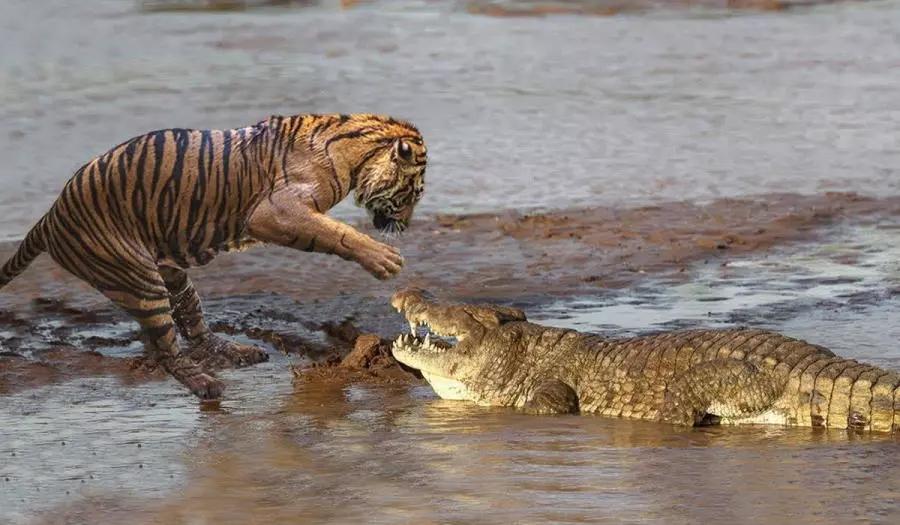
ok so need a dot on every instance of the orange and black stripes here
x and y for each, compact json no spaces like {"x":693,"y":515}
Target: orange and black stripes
{"x":30,"y":248}
{"x":183,"y":195}
{"x":174,"y":198}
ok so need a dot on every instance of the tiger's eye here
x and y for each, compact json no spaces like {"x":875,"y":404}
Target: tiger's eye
{"x":404,"y":150}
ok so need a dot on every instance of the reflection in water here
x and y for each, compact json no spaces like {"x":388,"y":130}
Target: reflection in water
{"x":331,"y":452}
{"x":326,"y":451}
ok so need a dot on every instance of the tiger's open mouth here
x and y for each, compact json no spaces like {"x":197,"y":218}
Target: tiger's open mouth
{"x":387,"y":224}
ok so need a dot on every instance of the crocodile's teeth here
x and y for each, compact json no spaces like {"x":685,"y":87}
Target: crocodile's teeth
{"x":427,"y":341}
{"x":412,"y":328}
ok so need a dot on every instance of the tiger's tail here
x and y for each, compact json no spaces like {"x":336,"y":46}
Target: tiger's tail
{"x":35,"y":243}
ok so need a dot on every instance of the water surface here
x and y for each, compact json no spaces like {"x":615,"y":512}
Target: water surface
{"x":518,"y":112}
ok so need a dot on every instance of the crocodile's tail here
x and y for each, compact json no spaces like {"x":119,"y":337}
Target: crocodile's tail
{"x":32,"y":246}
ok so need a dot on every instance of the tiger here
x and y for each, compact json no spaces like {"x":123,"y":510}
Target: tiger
{"x":132,"y":220}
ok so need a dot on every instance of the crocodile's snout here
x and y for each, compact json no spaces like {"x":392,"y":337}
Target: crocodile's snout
{"x":451,"y":319}
{"x":451,"y":351}
{"x":405,"y":299}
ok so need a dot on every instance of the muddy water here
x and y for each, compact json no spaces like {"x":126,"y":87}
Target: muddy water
{"x":647,"y":106}
{"x":319,"y":450}
{"x":728,"y":103}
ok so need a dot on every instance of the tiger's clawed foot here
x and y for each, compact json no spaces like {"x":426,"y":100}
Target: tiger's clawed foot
{"x":216,"y":352}
{"x":188,"y":373}
{"x":381,"y":260}
{"x":204,"y":386}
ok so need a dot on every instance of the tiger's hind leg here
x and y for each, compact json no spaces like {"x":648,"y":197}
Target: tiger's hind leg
{"x":203,"y":345}
{"x":131,"y":280}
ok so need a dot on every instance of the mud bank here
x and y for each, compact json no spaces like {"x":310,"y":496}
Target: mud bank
{"x":296,"y":303}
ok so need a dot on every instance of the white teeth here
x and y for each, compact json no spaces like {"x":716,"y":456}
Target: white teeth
{"x":411,"y":343}
{"x":412,"y":328}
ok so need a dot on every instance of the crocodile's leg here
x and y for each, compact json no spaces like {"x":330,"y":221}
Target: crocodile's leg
{"x":552,"y":397}
{"x":721,"y":388}
{"x":204,"y":346}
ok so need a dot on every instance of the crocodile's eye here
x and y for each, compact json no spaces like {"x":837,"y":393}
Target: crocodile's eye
{"x":404,"y":151}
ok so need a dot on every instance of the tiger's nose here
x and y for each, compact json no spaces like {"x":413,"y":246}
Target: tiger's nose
{"x":405,"y":215}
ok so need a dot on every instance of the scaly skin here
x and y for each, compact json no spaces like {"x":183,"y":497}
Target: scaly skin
{"x":734,"y":376}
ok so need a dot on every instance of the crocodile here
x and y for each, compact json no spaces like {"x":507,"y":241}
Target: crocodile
{"x":687,"y":377}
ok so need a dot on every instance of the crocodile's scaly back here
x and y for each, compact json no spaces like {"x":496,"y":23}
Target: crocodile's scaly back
{"x":741,"y":376}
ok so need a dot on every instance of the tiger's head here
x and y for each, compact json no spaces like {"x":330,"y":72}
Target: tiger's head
{"x":392,"y":181}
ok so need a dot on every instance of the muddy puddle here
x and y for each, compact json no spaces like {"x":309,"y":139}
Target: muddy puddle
{"x":333,"y":448}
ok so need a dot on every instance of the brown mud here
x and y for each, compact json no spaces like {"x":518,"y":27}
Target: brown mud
{"x":66,"y":363}
{"x":318,"y":307}
{"x":370,"y":360}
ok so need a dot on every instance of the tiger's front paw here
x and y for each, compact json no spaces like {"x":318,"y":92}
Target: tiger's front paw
{"x":381,"y":260}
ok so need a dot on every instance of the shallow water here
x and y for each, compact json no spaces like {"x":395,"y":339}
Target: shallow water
{"x":843,"y":293}
{"x":388,"y":453}
{"x":523,"y":111}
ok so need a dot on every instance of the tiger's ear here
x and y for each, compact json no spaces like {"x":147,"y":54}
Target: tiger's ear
{"x":402,"y":151}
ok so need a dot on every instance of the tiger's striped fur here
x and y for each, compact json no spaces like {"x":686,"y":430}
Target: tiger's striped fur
{"x":130,"y":221}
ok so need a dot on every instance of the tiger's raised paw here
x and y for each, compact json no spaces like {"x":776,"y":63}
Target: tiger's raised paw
{"x":381,"y":260}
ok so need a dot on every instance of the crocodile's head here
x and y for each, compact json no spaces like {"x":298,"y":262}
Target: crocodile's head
{"x":446,"y":364}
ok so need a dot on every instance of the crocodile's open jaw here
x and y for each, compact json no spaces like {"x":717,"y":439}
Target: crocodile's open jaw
{"x":432,"y":359}
{"x":435,"y":357}
{"x":445,"y":365}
